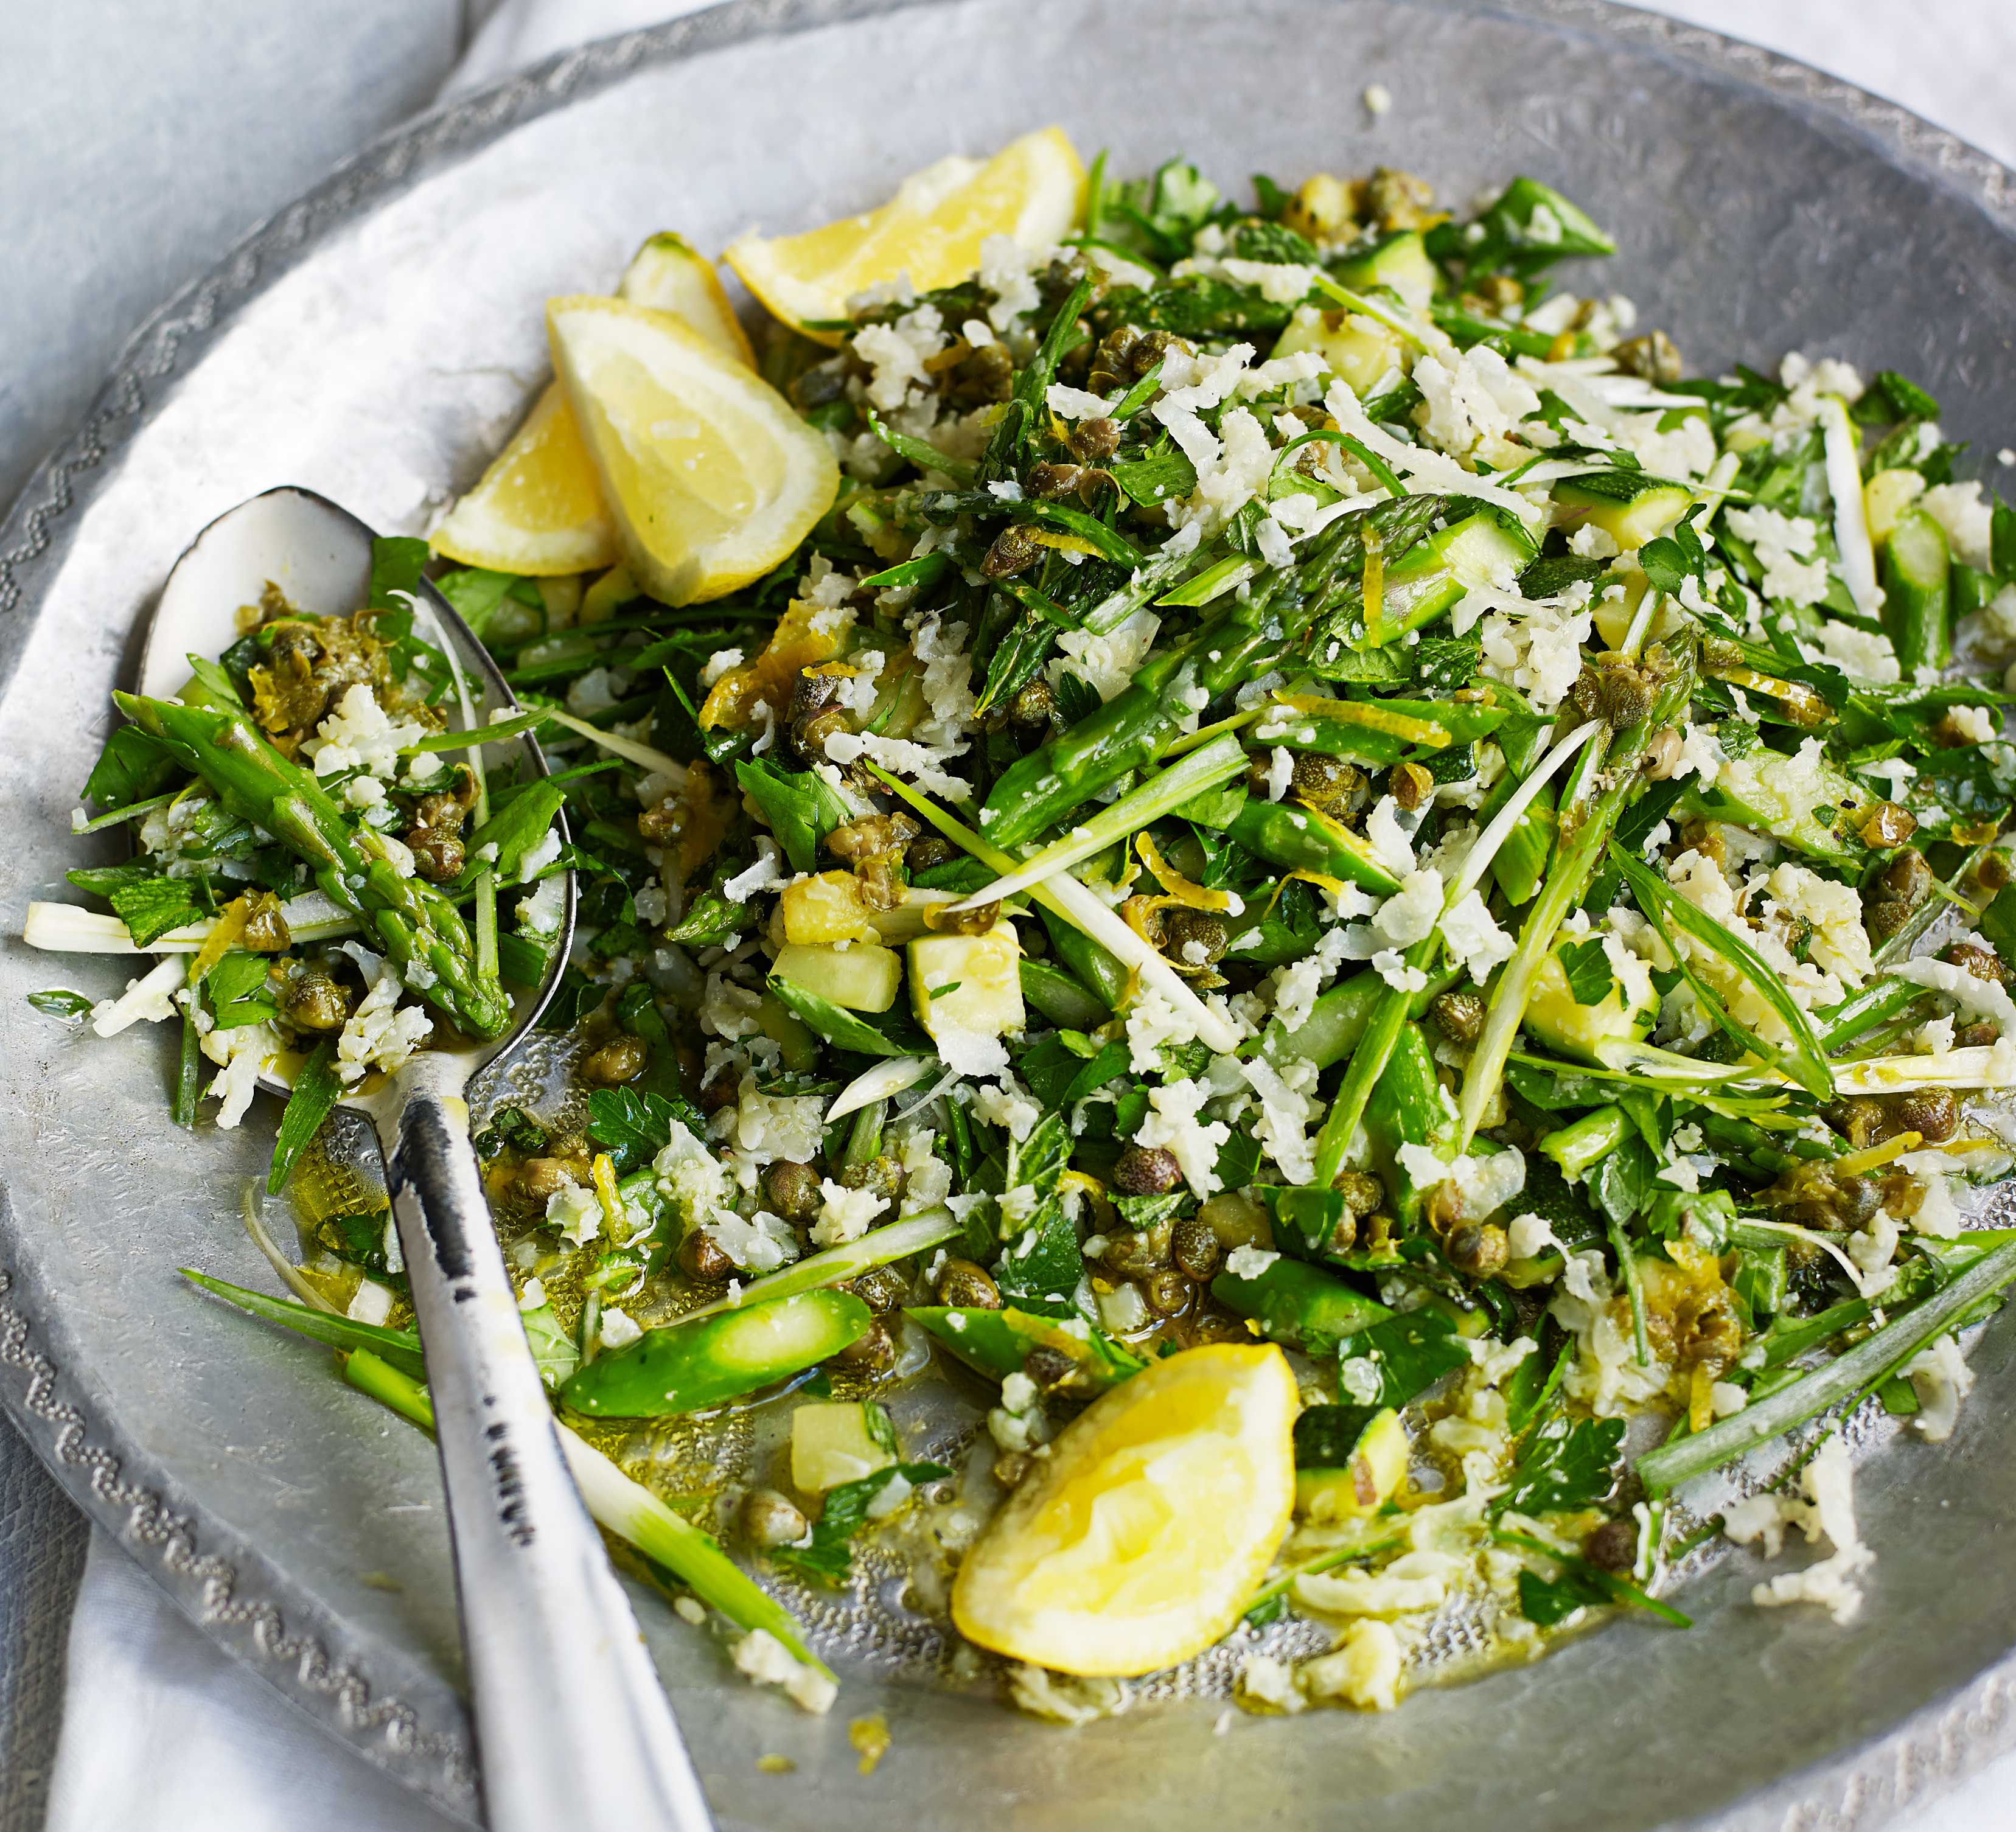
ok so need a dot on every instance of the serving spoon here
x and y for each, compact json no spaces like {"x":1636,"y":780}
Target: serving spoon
{"x":572,"y":1726}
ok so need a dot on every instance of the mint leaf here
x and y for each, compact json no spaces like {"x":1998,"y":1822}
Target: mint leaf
{"x":827,"y":1557}
{"x":1590,"y":974}
{"x":153,"y":906}
{"x":1565,"y":1465}
{"x":634,"y":1127}
{"x":1409,"y":1353}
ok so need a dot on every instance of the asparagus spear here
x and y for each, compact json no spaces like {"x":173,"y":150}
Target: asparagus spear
{"x":1585,"y":832}
{"x":415,"y":923}
{"x":1132,"y":730}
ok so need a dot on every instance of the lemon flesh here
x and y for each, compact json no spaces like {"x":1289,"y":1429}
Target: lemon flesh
{"x":1033,"y":189}
{"x":711,"y":476}
{"x":1153,"y":1521}
{"x":538,"y":507}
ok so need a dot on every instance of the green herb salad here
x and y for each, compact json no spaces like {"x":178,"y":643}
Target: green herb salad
{"x":1310,"y":854}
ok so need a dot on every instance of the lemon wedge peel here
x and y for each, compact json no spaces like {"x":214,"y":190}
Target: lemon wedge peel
{"x":669,"y":274}
{"x":1141,"y":1539}
{"x":1033,"y":190}
{"x":711,"y":476}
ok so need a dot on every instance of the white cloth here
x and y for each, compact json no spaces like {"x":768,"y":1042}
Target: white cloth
{"x":166,"y":1732}
{"x":162,"y":1730}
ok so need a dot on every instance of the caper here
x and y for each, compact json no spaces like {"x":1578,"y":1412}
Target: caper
{"x":1146,"y":1169}
{"x":883,"y":1289}
{"x":722,"y":1090}
{"x":1979,"y":1035}
{"x":1612,"y":1546}
{"x":942,"y":919}
{"x":1095,"y":440}
{"x":1884,"y":917}
{"x":1399,"y":199}
{"x":540,"y":1179}
{"x":1194,"y":937}
{"x":793,"y":1190}
{"x":1049,"y":1368}
{"x":1054,"y":482}
{"x":1460,"y":1016}
{"x":1168,"y":1293}
{"x":664,"y":822}
{"x":702,"y":1260}
{"x":1033,"y":705}
{"x":1907,"y":879}
{"x":873,"y":1352}
{"x":440,"y":810}
{"x":1886,"y":824}
{"x":1475,"y":1249}
{"x":883,"y":1174}
{"x":1714,"y":1340}
{"x":313,"y":1001}
{"x":622,"y":1059}
{"x":1932,"y":1113}
{"x":929,"y":850}
{"x":437,"y":854}
{"x":1323,"y":780}
{"x":1111,"y":367}
{"x":1660,"y":754}
{"x":1195,"y":1249}
{"x":809,"y":736}
{"x":265,"y":930}
{"x":963,"y":1285}
{"x":1610,"y":688}
{"x":985,"y":375}
{"x":1410,"y":785}
{"x":1983,"y":962}
{"x":1654,"y":356}
{"x":811,"y":693}
{"x":770,"y":1519}
{"x":1136,"y":1253}
{"x":1362,"y":1192}
{"x":1016,"y":549}
{"x":1993,"y":873}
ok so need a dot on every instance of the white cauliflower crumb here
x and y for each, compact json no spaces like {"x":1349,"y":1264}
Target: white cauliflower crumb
{"x":845,"y":1214}
{"x":359,"y":735}
{"x":767,"y":1662}
{"x":381,"y":1033}
{"x":1829,"y":1510}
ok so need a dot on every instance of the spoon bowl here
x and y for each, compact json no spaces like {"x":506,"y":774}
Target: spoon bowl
{"x":320,"y":556}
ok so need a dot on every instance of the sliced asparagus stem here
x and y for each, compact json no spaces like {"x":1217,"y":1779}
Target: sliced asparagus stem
{"x":1581,"y":845}
{"x":415,"y":923}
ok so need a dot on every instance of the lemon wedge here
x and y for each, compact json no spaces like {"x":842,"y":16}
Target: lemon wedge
{"x":668,"y":272}
{"x":710,"y":474}
{"x":538,"y":508}
{"x":1032,"y":189}
{"x":1152,"y":1522}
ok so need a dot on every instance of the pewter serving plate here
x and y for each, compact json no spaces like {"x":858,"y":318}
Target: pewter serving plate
{"x":377,"y":341}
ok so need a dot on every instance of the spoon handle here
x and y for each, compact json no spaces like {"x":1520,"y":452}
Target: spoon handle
{"x":572,"y":1727}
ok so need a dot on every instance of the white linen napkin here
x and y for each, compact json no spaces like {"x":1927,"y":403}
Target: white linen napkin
{"x":163,"y":1730}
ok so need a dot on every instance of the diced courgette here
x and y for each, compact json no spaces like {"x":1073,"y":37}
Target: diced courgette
{"x":1629,"y":507}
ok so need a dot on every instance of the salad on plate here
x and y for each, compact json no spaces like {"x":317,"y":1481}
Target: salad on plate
{"x":1371,"y":918}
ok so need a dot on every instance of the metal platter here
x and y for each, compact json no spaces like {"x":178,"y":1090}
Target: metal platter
{"x":376,"y":340}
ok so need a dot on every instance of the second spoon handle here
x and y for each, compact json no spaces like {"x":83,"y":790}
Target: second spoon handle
{"x":572,"y":1726}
